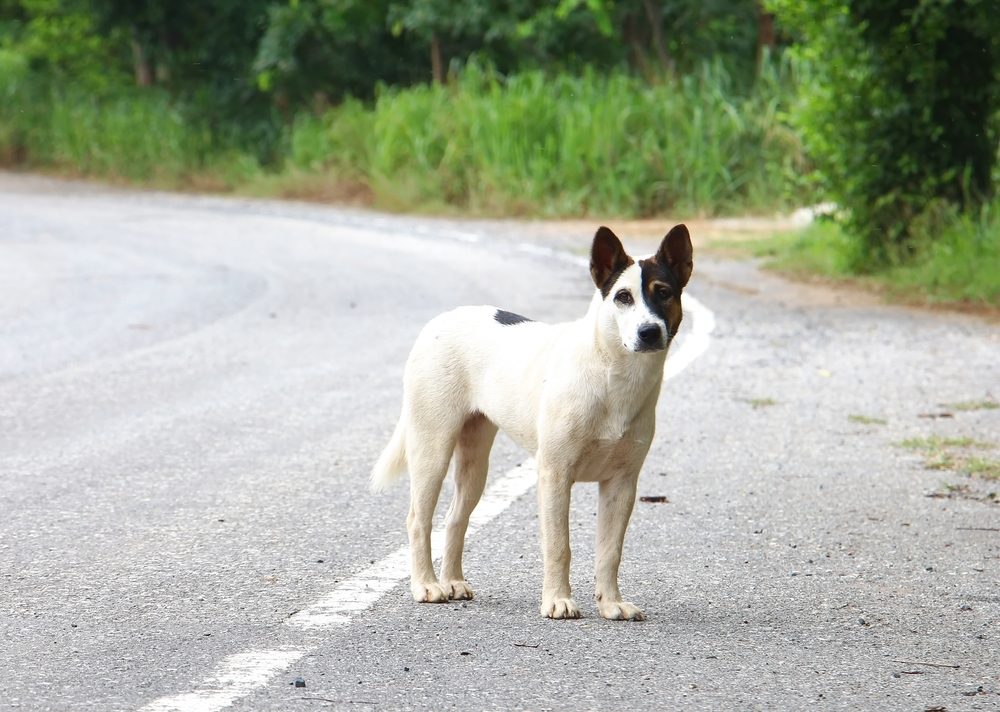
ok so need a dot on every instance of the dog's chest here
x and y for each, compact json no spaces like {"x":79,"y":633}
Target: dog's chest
{"x":619,"y":429}
{"x":601,"y":459}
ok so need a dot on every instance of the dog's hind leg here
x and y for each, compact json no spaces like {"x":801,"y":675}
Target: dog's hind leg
{"x":428,"y":459}
{"x":472,"y":460}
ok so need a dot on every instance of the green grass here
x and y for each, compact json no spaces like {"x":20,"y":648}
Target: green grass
{"x":527,"y":144}
{"x":965,"y":406}
{"x":940,"y":454}
{"x":137,"y":136}
{"x":957,"y":265}
{"x":983,"y":468}
{"x":760,"y":402}
{"x":556,"y":146}
{"x":822,"y":248}
{"x":941,"y":460}
{"x":866,"y":420}
{"x":936,"y":442}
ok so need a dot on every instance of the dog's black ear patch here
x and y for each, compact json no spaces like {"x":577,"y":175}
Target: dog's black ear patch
{"x":509,"y":318}
{"x":608,"y":259}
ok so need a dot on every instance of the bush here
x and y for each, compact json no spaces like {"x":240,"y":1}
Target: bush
{"x":565,"y":145}
{"x":137,"y":134}
{"x":13,"y":77}
{"x":892,"y":129}
{"x":954,"y":260}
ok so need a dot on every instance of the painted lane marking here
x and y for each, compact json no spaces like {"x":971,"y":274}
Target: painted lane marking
{"x":235,"y":677}
{"x":695,"y":342}
{"x":238,"y":675}
{"x":362,"y":592}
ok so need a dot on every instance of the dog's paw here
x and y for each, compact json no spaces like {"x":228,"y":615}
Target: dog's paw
{"x":457,"y":590}
{"x":620,"y":611}
{"x":560,"y":608}
{"x":428,"y":593}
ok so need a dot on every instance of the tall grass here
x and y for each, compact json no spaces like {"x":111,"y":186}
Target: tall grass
{"x":533,"y":143}
{"x":137,"y":135}
{"x":525,"y":144}
{"x":139,"y":140}
{"x":956,"y":264}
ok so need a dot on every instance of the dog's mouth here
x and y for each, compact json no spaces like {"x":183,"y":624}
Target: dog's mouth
{"x":642,"y":347}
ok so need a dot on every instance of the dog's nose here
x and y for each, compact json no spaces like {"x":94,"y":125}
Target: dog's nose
{"x":649,"y":334}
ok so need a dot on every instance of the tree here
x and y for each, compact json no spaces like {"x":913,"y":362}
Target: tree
{"x":329,"y":49}
{"x":899,"y":111}
{"x":435,"y":21}
{"x":61,"y":40}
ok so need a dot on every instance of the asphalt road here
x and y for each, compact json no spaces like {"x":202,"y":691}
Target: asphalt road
{"x":192,"y":392}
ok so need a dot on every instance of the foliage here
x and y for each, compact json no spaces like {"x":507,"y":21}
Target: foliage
{"x":900,"y":144}
{"x":336,"y":48}
{"x":957,"y":265}
{"x":592,"y":144}
{"x":61,"y":40}
{"x":326,"y":51}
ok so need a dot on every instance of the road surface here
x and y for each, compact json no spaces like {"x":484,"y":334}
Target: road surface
{"x":192,"y":392}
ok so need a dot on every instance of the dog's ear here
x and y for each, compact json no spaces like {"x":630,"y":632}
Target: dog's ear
{"x":607,"y":258}
{"x":676,"y":253}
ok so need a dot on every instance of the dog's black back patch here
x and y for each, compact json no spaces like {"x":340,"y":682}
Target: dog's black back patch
{"x":509,"y":318}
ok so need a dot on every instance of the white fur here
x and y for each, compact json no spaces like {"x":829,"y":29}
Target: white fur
{"x":629,"y":318}
{"x":579,"y":395}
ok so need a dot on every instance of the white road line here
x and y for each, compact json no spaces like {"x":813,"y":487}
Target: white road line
{"x":240,"y":674}
{"x":695,"y":342}
{"x":235,"y":677}
{"x":362,"y":592}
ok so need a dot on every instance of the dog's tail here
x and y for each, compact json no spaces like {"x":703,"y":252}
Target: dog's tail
{"x":392,"y":462}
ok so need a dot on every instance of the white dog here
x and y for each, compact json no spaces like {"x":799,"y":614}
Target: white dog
{"x":580,"y":395}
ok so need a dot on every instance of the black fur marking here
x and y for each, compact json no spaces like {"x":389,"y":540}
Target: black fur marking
{"x":667,"y":309}
{"x":510,"y":318}
{"x":613,"y":277}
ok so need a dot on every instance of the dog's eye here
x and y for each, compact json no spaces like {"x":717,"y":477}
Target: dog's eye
{"x":624,"y":297}
{"x":664,"y":293}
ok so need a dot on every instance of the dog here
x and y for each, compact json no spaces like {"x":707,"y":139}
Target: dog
{"x":579,"y":395}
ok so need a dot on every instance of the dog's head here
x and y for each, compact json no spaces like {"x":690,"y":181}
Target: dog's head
{"x":641,"y":301}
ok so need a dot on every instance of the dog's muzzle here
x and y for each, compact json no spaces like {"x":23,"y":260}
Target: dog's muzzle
{"x":650,"y":338}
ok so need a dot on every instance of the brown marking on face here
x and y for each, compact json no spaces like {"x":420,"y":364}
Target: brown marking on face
{"x":655,"y":277}
{"x":664,"y":276}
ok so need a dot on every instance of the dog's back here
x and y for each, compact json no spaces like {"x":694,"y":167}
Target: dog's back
{"x":466,"y":361}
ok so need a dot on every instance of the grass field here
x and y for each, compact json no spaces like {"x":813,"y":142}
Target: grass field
{"x":564,"y":146}
{"x":529,"y":144}
{"x":959,"y":265}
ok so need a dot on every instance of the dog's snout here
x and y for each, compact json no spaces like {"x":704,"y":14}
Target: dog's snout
{"x":650,"y":334}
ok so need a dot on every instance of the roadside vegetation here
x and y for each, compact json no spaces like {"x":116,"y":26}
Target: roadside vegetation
{"x":531,"y":144}
{"x":955,"y":454}
{"x":610,"y":108}
{"x":955,"y":264}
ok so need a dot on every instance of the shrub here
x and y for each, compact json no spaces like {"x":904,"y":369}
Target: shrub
{"x":898,"y":111}
{"x":563,"y":145}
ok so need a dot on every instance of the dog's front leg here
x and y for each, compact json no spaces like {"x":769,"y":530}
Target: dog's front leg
{"x":617,"y":496}
{"x":554,"y":486}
